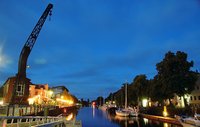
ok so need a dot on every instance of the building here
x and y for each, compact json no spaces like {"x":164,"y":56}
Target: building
{"x":58,"y":91}
{"x":18,"y":95}
{"x":62,"y":96}
{"x":39,"y":94}
{"x":195,"y":95}
{"x":192,"y":99}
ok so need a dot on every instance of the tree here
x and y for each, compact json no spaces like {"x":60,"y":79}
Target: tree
{"x":132,"y":97}
{"x":174,"y":75}
{"x":100,"y":100}
{"x":140,"y":86}
{"x":156,"y":92}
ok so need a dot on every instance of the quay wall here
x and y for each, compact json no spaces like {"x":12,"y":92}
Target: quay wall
{"x":55,"y":112}
{"x":163,"y":119}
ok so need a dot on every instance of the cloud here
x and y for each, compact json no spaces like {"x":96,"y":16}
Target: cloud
{"x":40,"y":61}
{"x":5,"y":60}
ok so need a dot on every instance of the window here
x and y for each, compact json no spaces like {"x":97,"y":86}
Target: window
{"x":20,"y":89}
{"x":197,"y":87}
{"x":195,"y":98}
{"x":199,"y":97}
{"x":191,"y":98}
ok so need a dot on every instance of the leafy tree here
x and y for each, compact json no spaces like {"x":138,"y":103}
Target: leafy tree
{"x":132,"y":97}
{"x":174,"y":75}
{"x":119,"y":97}
{"x":100,"y":100}
{"x":140,"y":86}
{"x":156,"y":92}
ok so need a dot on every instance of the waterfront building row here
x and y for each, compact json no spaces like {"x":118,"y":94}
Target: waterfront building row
{"x":36,"y":94}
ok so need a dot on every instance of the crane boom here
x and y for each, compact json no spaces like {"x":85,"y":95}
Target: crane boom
{"x":22,"y":64}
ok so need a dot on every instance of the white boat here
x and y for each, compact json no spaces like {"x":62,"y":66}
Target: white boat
{"x":133,"y":112}
{"x":197,"y":119}
{"x":190,"y":121}
{"x":127,"y":111}
{"x":124,"y":113}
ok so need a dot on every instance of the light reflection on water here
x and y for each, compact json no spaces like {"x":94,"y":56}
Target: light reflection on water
{"x":93,"y":117}
{"x":70,"y":117}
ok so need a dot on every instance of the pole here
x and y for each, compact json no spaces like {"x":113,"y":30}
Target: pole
{"x":125,"y":95}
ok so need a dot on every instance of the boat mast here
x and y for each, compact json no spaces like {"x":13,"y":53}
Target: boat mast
{"x":125,"y":95}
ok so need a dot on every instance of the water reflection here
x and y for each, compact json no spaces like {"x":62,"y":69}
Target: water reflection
{"x":70,"y":117}
{"x":145,"y":121}
{"x":93,"y":117}
{"x":124,"y":121}
{"x":93,"y":111}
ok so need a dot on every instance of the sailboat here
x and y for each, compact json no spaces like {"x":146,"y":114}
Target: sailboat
{"x":126,"y":111}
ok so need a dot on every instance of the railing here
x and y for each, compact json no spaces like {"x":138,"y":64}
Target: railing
{"x":62,"y":124}
{"x":38,"y":121}
{"x":21,"y":110}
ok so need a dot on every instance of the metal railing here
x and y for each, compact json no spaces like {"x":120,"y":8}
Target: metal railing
{"x":38,"y":121}
{"x":62,"y":123}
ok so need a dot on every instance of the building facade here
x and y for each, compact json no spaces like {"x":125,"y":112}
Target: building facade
{"x":195,"y":95}
{"x":18,"y":95}
{"x":38,"y":94}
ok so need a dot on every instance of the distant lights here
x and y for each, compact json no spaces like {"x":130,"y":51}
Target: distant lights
{"x":70,"y":102}
{"x":1,"y":102}
{"x":31,"y":101}
{"x":144,"y":102}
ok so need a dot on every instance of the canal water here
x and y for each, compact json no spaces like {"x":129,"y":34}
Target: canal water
{"x":93,"y":117}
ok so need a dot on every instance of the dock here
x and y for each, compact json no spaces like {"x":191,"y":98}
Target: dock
{"x":161,"y":118}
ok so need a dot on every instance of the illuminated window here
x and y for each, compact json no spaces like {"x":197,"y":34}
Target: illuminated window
{"x":20,"y":89}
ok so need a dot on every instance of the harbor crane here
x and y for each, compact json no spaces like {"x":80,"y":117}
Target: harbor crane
{"x":18,"y":86}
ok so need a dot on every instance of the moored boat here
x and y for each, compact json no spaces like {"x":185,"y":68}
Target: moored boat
{"x":127,"y":111}
{"x":124,"y":113}
{"x":133,"y":112}
{"x":190,"y":121}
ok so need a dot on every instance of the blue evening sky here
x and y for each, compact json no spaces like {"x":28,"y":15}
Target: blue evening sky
{"x":93,"y":46}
